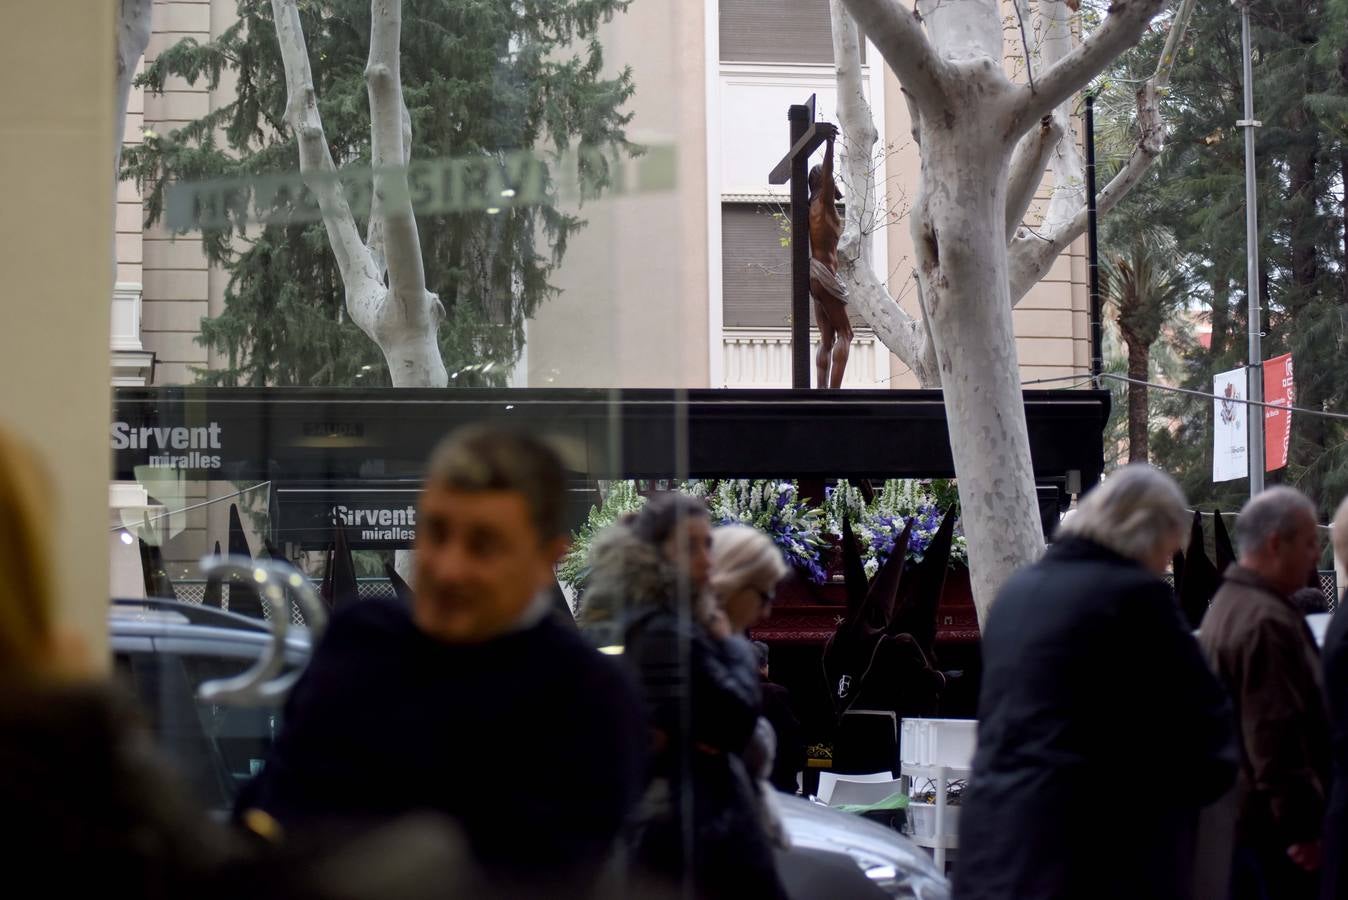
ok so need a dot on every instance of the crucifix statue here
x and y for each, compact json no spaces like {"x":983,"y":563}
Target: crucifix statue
{"x":826,"y":288}
{"x":815,"y":230}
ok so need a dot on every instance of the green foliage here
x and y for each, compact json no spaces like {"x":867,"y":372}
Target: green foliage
{"x":1194,"y":197}
{"x":621,"y":498}
{"x":480,"y":78}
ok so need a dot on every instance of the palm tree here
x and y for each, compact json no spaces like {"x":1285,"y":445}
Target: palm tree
{"x":1146,"y":288}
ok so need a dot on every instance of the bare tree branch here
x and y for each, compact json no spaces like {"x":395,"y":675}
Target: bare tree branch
{"x":1028,"y":164}
{"x":1121,"y":30}
{"x":374,"y":234}
{"x":402,"y":317}
{"x":899,"y":36}
{"x":1178,"y":26}
{"x":316,"y":165}
{"x":389,"y":152}
{"x":1055,"y":28}
{"x":897,"y":330}
{"x":1032,"y":254}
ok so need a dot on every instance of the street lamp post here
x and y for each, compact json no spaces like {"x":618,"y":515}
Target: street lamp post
{"x":1255,"y":370}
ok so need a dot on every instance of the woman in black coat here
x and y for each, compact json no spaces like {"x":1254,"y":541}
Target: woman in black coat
{"x":1101,"y":731}
{"x":647,"y":590}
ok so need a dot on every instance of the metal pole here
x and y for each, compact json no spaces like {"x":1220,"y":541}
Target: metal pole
{"x":1255,"y":371}
{"x":800,"y":254}
{"x":1093,"y":248}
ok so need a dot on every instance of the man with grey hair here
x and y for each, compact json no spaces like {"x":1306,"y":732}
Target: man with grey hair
{"x":1258,"y":642}
{"x":1086,"y":661}
{"x":475,"y":702}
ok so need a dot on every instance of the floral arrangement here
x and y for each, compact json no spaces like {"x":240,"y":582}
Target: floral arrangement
{"x":619,"y":499}
{"x":775,"y":508}
{"x":843,"y":502}
{"x":799,"y":530}
{"x":898,"y":501}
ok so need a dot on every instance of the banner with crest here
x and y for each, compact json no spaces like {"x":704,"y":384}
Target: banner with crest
{"x":1230,"y":433}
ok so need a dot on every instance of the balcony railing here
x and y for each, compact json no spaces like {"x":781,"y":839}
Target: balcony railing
{"x":756,"y":357}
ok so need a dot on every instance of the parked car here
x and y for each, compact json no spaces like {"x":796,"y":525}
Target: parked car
{"x":166,"y":650}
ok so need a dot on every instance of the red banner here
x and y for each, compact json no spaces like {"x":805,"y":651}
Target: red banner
{"x":1279,"y":390}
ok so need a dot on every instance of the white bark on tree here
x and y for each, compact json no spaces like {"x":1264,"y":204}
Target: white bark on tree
{"x":972,"y":119}
{"x":1028,"y":164}
{"x":384,"y":281}
{"x":896,"y":329}
{"x":1034,"y":250}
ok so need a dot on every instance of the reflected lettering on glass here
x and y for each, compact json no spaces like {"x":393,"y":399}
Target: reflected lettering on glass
{"x":448,"y":185}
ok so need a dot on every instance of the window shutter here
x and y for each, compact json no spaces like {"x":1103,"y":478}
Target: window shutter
{"x":756,"y":267}
{"x":777,"y":31}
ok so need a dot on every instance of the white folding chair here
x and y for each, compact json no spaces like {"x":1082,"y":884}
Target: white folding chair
{"x":836,"y":789}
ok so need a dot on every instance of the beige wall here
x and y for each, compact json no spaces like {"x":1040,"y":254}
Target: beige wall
{"x":1052,"y":337}
{"x":56,"y":243}
{"x":180,"y":288}
{"x":632,"y":309}
{"x":176,"y":278}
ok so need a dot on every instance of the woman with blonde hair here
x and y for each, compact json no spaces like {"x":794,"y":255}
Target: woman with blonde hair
{"x":31,"y":644}
{"x":746,"y":567}
{"x":78,"y":772}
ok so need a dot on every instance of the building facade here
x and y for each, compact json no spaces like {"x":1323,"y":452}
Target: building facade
{"x":687,"y":287}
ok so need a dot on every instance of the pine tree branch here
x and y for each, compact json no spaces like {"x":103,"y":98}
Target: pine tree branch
{"x":898,"y":34}
{"x":903,"y":335}
{"x":316,"y":165}
{"x":1121,"y":29}
{"x":390,"y":146}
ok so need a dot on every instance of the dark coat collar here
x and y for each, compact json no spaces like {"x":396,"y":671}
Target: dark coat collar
{"x":1080,"y":548}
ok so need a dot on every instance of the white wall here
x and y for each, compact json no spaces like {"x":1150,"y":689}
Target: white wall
{"x":754,"y":129}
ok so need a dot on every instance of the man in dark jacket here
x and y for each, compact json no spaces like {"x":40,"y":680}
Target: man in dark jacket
{"x":1091,"y":681}
{"x":1263,"y":651}
{"x":476,"y":702}
{"x":1334,"y":878}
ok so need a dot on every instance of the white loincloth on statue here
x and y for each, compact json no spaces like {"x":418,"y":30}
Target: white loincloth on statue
{"x":830,"y":282}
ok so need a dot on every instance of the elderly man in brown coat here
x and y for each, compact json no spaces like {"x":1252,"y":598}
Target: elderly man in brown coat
{"x":1262,"y":650}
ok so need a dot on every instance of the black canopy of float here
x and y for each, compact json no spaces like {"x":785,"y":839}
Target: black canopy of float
{"x":341,"y":435}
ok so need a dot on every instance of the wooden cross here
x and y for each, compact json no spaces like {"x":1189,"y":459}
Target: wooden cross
{"x":806,"y":137}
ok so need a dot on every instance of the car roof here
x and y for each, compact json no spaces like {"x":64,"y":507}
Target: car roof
{"x":197,"y":613}
{"x":169,"y":626}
